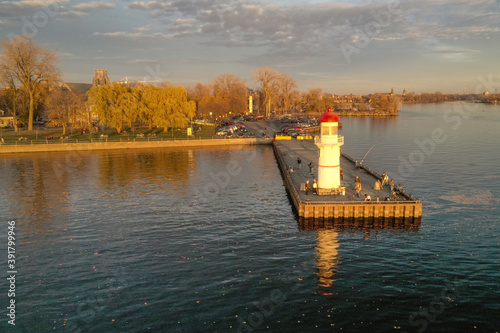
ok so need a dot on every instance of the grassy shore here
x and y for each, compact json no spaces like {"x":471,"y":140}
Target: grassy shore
{"x":42,"y":134}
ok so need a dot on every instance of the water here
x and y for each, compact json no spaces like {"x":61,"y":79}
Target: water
{"x":205,"y":240}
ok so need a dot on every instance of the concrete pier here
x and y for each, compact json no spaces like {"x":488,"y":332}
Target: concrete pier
{"x":348,"y":209}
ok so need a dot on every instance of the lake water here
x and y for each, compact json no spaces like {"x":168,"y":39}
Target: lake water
{"x":205,"y":240}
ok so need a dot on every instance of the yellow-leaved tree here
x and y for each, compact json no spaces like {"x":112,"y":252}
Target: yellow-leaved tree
{"x":174,"y":109}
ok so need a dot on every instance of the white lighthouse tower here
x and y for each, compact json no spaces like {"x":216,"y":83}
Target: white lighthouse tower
{"x":329,"y":151}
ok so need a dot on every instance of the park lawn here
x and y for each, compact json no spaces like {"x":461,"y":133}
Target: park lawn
{"x":40,"y":133}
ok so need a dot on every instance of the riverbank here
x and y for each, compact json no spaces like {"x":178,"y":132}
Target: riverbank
{"x":81,"y":146}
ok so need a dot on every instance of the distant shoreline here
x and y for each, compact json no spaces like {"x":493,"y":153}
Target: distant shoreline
{"x":366,"y":114}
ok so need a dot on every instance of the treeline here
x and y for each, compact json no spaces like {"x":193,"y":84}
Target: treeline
{"x":439,"y":97}
{"x":316,"y":100}
{"x":227,"y":94}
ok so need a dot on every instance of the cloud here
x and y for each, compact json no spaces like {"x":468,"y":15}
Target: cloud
{"x":455,"y":51}
{"x":83,"y":9}
{"x":142,"y":61}
{"x":267,"y":23}
{"x":134,"y":35}
{"x":12,"y":10}
{"x":93,"y":6}
{"x":312,"y":29}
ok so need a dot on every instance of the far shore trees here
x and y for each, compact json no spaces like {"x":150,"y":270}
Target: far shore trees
{"x":30,"y":67}
{"x":164,"y":106}
{"x":390,"y":103}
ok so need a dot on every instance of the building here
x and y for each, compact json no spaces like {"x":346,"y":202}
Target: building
{"x":100,"y":78}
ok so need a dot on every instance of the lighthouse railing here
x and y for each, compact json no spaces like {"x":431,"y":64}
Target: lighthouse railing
{"x":330,"y":140}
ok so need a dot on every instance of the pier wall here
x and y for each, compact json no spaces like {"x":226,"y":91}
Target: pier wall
{"x":53,"y":147}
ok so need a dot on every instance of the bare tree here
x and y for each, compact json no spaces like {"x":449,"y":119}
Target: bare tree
{"x":266,"y":77}
{"x":31,"y":65}
{"x":286,"y":86}
{"x":12,"y":96}
{"x":237,"y":92}
{"x":64,"y":108}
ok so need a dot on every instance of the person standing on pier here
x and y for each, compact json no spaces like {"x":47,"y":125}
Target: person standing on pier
{"x":385,"y":179}
{"x":311,"y":168}
{"x":391,"y":184}
{"x":357,"y":188}
{"x":299,"y":162}
{"x":357,"y":185}
{"x":378,"y":185}
{"x":307,"y":187}
{"x":358,"y":181}
{"x":315,"y":187}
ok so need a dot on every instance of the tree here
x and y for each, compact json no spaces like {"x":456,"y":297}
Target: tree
{"x":216,"y":105}
{"x":146,"y":106}
{"x":107,"y":103}
{"x":266,"y":77}
{"x":10,"y":98}
{"x":31,"y":65}
{"x":64,"y":107}
{"x":129,"y":106}
{"x":386,"y":103}
{"x":198,"y":92}
{"x":314,"y":100}
{"x":285,"y":86}
{"x":237,"y":92}
{"x":174,"y":109}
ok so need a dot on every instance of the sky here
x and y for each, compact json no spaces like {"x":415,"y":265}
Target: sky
{"x":342,"y":47}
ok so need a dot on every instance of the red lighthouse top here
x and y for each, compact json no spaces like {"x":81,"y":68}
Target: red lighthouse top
{"x":329,"y":117}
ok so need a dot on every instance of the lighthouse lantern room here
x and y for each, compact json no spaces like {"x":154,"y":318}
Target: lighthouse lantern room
{"x":329,"y":153}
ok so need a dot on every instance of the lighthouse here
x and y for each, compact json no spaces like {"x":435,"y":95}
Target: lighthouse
{"x":329,"y":152}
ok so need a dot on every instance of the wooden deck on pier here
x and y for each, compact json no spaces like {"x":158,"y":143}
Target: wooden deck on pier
{"x":347,"y":209}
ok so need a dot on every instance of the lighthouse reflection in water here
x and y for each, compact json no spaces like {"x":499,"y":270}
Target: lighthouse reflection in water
{"x":328,"y":233}
{"x":327,"y":258}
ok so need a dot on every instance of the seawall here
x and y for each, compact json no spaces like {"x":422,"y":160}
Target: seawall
{"x":53,"y":147}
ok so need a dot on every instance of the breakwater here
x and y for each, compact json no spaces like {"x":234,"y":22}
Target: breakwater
{"x":80,"y":146}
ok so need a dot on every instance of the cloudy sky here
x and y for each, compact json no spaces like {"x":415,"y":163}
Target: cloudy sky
{"x":341,"y":46}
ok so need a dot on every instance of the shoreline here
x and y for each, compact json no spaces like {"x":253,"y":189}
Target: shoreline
{"x":83,"y":146}
{"x":372,"y":113}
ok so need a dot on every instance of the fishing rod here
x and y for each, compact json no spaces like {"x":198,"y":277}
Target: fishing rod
{"x":367,"y":153}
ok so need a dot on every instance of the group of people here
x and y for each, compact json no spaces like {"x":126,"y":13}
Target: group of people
{"x":307,"y":187}
{"x":379,"y":185}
